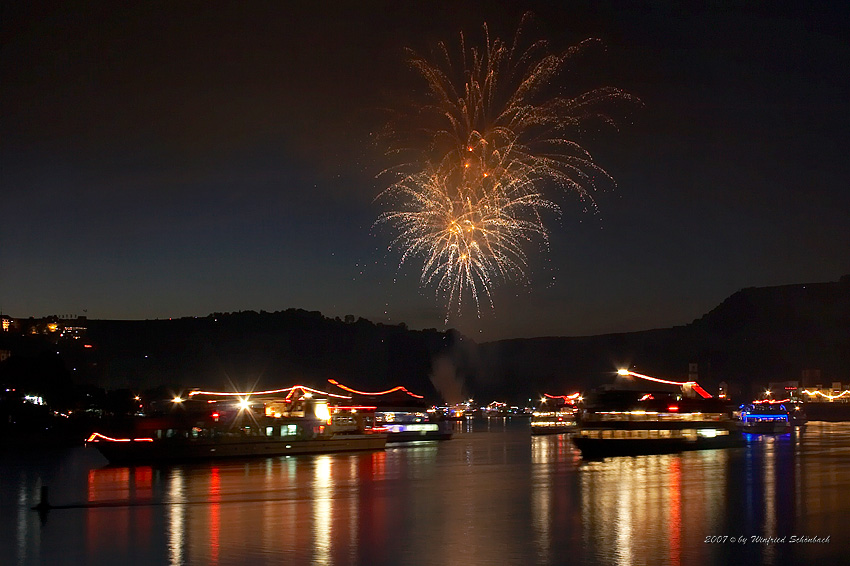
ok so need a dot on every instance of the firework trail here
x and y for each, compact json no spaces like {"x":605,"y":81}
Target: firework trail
{"x":473,"y":159}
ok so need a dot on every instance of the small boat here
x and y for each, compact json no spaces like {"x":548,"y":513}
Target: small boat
{"x":765,"y":418}
{"x":402,"y":414}
{"x":796,"y":414}
{"x":197,"y":429}
{"x":616,"y":422}
{"x":556,"y":421}
{"x":409,"y":425}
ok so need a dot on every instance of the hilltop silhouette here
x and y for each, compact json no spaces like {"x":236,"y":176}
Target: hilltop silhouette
{"x":756,"y":336}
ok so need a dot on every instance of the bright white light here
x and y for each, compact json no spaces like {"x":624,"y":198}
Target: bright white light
{"x":177,"y":400}
{"x":622,"y":371}
{"x":322,"y":412}
{"x":244,"y":405}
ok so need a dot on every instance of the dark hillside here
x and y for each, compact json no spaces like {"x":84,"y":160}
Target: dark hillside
{"x":756,"y":336}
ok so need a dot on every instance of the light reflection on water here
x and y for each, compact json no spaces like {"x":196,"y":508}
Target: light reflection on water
{"x":492,"y":495}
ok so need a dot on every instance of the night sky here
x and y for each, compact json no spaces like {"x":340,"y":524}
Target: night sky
{"x":167,"y":159}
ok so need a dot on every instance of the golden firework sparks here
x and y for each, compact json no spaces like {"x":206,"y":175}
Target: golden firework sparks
{"x":483,"y":146}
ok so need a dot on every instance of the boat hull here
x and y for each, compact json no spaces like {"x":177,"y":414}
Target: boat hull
{"x":600,"y":448}
{"x":405,"y":427}
{"x":777,"y":427}
{"x":182,"y":450}
{"x":412,"y":436}
{"x":556,"y":429}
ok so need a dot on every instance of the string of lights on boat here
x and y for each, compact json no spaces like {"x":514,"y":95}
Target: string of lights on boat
{"x":566,"y":398}
{"x":97,"y":437}
{"x":814,"y":392}
{"x":692,"y":384}
{"x":376,"y":393}
{"x":290,"y":391}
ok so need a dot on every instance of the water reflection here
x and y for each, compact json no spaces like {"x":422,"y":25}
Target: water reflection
{"x":651,"y":505}
{"x":22,"y":529}
{"x":322,"y":518}
{"x":215,"y":514}
{"x":176,"y":517}
{"x":483,"y":497}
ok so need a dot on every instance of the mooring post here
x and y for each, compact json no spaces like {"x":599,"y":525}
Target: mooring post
{"x":44,"y":504}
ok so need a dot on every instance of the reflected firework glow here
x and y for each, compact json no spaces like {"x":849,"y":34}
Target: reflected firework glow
{"x":474,"y":158}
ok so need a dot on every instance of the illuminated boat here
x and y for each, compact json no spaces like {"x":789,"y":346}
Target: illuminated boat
{"x":406,"y":426}
{"x":627,"y":422}
{"x":796,"y":414}
{"x":402,"y":414}
{"x":201,"y":429}
{"x":765,"y":418}
{"x":556,"y":415}
{"x":553,"y":422}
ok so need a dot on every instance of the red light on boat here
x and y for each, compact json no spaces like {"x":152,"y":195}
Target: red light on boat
{"x":673,"y":408}
{"x":215,"y":415}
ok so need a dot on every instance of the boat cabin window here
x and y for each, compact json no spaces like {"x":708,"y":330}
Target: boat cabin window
{"x":269,"y":431}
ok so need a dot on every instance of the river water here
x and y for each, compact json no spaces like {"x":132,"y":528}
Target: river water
{"x":491,"y":495}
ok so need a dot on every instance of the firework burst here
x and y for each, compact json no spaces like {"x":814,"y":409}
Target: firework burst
{"x":473,"y":159}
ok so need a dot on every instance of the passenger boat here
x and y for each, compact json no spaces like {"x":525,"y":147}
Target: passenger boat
{"x":409,"y":425}
{"x":556,"y":421}
{"x":796,"y":414}
{"x":207,"y":428}
{"x":557,"y":414}
{"x":630,"y":422}
{"x":402,"y":414}
{"x":765,"y":418}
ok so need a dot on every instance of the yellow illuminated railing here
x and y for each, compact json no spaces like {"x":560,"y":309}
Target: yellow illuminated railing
{"x":814,"y":392}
